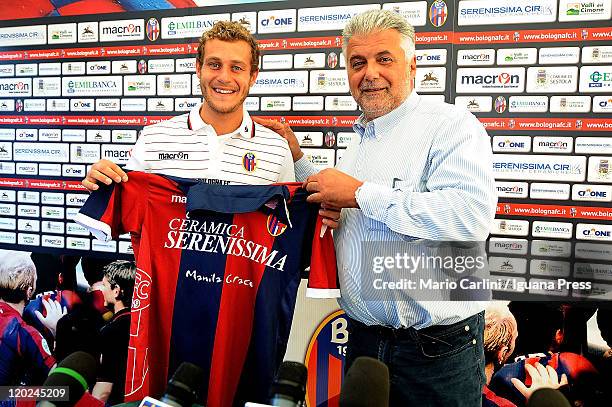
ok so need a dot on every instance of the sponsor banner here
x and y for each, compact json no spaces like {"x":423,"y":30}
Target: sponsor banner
{"x":34,"y":105}
{"x":26,"y":169}
{"x":9,"y":224}
{"x":247,"y":19}
{"x":329,"y":81}
{"x":307,"y":103}
{"x":134,"y":105}
{"x":83,"y":52}
{"x":26,"y":69}
{"x":600,"y":169}
{"x":28,"y":211}
{"x":591,"y":231}
{"x":85,"y":153}
{"x":7,"y":168}
{"x":526,"y":36}
{"x":549,"y":268}
{"x":475,"y":103}
{"x":189,"y":26}
{"x":430,"y":79}
{"x":596,"y":79}
{"x":16,"y":87}
{"x":510,"y":265}
{"x":540,"y":190}
{"x":474,"y":12}
{"x":195,"y":85}
{"x":559,"y":145}
{"x":76,"y":199}
{"x":124,"y":136}
{"x":278,"y":61}
{"x":186,"y":104}
{"x":554,"y":211}
{"x":25,"y":35}
{"x":28,"y":239}
{"x":27,"y":225}
{"x":7,"y":195}
{"x":42,"y":152}
{"x":82,"y":105}
{"x":320,"y":158}
{"x":47,"y":87}
{"x":185,"y":65}
{"x":12,"y":55}
{"x":73,"y":68}
{"x":139,"y":85}
{"x":73,"y":135}
{"x":508,"y":246}
{"x":99,"y":68}
{"x":52,"y":212}
{"x":276,"y":21}
{"x":552,"y":79}
{"x":511,"y":189}
{"x":6,"y":151}
{"x":330,"y":18}
{"x":160,"y":104}
{"x":546,"y":124}
{"x":126,"y":248}
{"x":594,"y":145}
{"x":551,"y":248}
{"x":602,"y":104}
{"x":415,"y":12}
{"x":251,"y":103}
{"x":592,"y":271}
{"x":315,"y":60}
{"x":433,"y":38}
{"x":160,"y":65}
{"x":510,"y":227}
{"x":172,"y":50}
{"x":512,"y":144}
{"x":50,"y":170}
{"x":585,"y":10}
{"x":344,"y":139}
{"x":335,"y":103}
{"x":75,"y":229}
{"x":475,"y":57}
{"x":174,"y":85}
{"x":309,"y":138}
{"x":73,"y":171}
{"x":26,"y":135}
{"x":517,"y":56}
{"x":50,"y":69}
{"x":92,"y":86}
{"x":315,"y":121}
{"x":276,"y":103}
{"x":98,"y":136}
{"x":40,"y":184}
{"x":539,"y":167}
{"x":284,"y":82}
{"x":597,"y":55}
{"x":62,"y":33}
{"x":316,"y":43}
{"x":122,"y":30}
{"x":52,"y":198}
{"x":7,"y":209}
{"x":88,"y":32}
{"x":596,"y":291}
{"x":100,"y":246}
{"x":592,"y":192}
{"x":7,"y":135}
{"x":124,"y":67}
{"x":487,"y":80}
{"x":53,"y":241}
{"x":558,"y":230}
{"x":559,"y":55}
{"x":58,"y":105}
{"x":7,"y":70}
{"x":528,"y":104}
{"x":107,"y":105}
{"x":77,"y":243}
{"x":570,"y":104}
{"x":432,"y":56}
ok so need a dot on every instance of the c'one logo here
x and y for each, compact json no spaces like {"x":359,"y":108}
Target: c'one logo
{"x":275,"y":227}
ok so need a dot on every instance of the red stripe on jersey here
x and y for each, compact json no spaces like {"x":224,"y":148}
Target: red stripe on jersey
{"x":311,"y":385}
{"x":334,"y":381}
{"x":234,"y":328}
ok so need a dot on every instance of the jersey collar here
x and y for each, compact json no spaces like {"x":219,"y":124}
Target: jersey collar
{"x":245,"y":130}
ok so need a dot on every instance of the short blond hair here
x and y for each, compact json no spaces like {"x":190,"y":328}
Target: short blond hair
{"x":230,"y":31}
{"x":500,"y":328}
{"x":17,"y":274}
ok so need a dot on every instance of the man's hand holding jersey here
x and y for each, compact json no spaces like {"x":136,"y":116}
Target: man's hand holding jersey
{"x":103,"y":171}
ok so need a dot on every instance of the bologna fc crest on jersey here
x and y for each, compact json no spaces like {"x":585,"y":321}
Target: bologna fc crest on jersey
{"x":152,"y":29}
{"x":275,"y":227}
{"x":325,"y":361}
{"x":249,"y":162}
{"x":438,"y":12}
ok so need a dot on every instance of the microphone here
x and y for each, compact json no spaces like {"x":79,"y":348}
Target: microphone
{"x":547,"y":397}
{"x":366,"y":384}
{"x":289,"y":387}
{"x":77,"y":372}
{"x":182,"y":389}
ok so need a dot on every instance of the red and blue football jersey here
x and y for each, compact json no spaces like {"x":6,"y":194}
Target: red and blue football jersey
{"x":218,"y":272}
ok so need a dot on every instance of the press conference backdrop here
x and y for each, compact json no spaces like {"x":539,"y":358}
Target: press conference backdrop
{"x":537,"y":73}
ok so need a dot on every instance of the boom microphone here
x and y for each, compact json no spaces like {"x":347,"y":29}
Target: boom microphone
{"x":77,"y":372}
{"x":366,"y":384}
{"x":182,"y":389}
{"x":289,"y":387}
{"x":547,"y":397}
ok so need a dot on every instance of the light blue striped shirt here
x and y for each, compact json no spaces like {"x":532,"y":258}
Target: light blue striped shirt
{"x":427,"y":172}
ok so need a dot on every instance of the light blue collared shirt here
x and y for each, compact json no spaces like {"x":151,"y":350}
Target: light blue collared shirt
{"x":427,"y":172}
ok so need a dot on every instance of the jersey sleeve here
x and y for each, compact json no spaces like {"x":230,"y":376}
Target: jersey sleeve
{"x":323,"y":277}
{"x":117,"y":208}
{"x":36,"y":351}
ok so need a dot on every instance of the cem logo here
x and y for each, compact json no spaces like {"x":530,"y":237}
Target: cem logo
{"x":598,"y":78}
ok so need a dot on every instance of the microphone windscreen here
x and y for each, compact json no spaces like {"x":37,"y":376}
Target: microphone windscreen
{"x":78,"y":372}
{"x":366,"y":384}
{"x":547,"y":398}
{"x":290,"y":381}
{"x":185,"y":382}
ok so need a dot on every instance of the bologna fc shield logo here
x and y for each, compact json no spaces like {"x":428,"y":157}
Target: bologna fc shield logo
{"x":152,"y":29}
{"x":249,"y":162}
{"x":500,"y":104}
{"x":438,"y":12}
{"x":275,"y":227}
